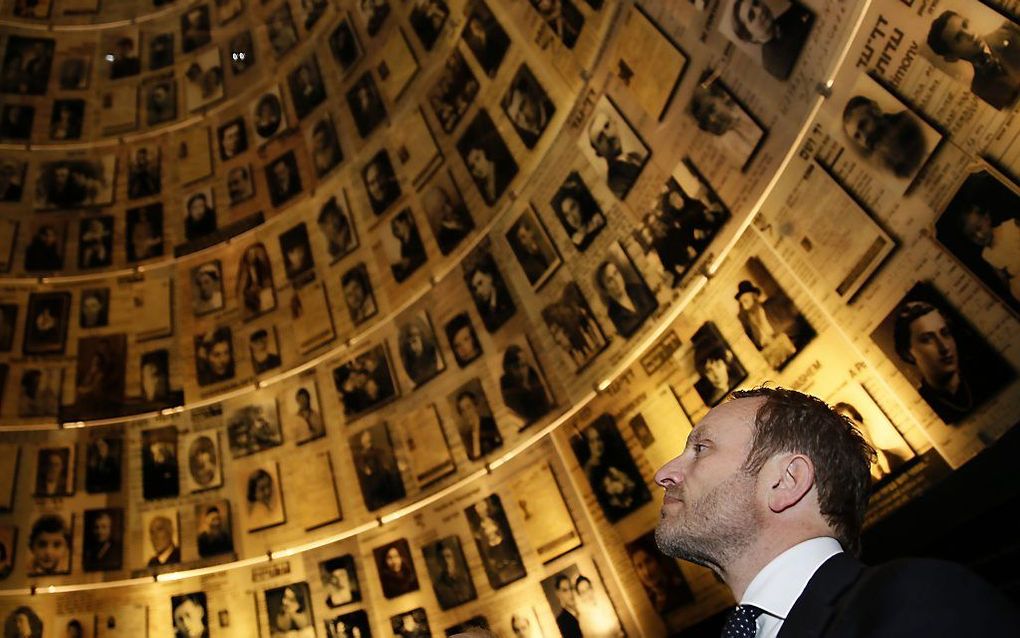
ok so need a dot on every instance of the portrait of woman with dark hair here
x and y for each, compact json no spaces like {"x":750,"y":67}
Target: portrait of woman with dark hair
{"x":358,"y":294}
{"x":577,"y":210}
{"x":264,"y":499}
{"x":268,"y":116}
{"x":478,"y":430}
{"x":290,"y":611}
{"x":23,"y":623}
{"x":612,"y":473}
{"x":663,"y":582}
{"x":522,"y":387}
{"x":255,"y":282}
{"x":396,"y":570}
{"x":199,"y":216}
{"x":419,"y":352}
{"x":410,"y":251}
{"x":627,"y":299}
{"x":463,"y":339}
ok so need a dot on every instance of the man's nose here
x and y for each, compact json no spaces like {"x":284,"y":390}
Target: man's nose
{"x":670,"y":474}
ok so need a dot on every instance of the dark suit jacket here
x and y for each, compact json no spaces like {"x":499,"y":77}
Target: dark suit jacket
{"x":997,"y":81}
{"x":910,"y":597}
{"x":779,"y":55}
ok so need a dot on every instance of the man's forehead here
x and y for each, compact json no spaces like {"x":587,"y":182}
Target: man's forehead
{"x":728,"y":419}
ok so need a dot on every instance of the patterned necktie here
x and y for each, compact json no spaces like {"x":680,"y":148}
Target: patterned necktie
{"x":741,"y":623}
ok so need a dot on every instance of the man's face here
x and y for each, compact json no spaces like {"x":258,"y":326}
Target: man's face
{"x":479,"y":164}
{"x":464,"y":344}
{"x":197,"y":207}
{"x":264,"y":490}
{"x":758,"y":20}
{"x":161,"y":535}
{"x":49,"y":549}
{"x":231,"y":139}
{"x":526,"y":238}
{"x":717,"y":373}
{"x":468,"y":410}
{"x":572,"y":212}
{"x":90,"y":309}
{"x":959,"y":39}
{"x":977,"y":226}
{"x":709,"y":510}
{"x":862,"y":125}
{"x":237,"y":183}
{"x":375,"y":183}
{"x":718,"y":113}
{"x":61,"y":175}
{"x":481,"y":284}
{"x":206,"y":285}
{"x":933,"y":348}
{"x":613,"y":281}
{"x":189,"y":619}
{"x":747,"y":301}
{"x":54,"y":466}
{"x":603,"y":135}
{"x":647,"y":569}
{"x":213,"y":522}
{"x":414,"y":340}
{"x":449,"y":561}
{"x":354,"y":294}
{"x":219,"y":357}
{"x":102,"y":528}
{"x":564,"y":593}
{"x":281,"y":172}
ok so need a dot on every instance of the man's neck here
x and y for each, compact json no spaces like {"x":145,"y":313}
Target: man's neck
{"x":740,"y":571}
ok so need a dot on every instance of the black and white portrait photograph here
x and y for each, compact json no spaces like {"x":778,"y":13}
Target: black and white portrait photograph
{"x":366,"y":104}
{"x":580,"y":604}
{"x":358,"y":294}
{"x":573,"y":327}
{"x":283,"y":178}
{"x":770,"y":319}
{"x":214,"y":356}
{"x":892,"y":451}
{"x":771,"y":33}
{"x":103,"y":464}
{"x":302,"y":413}
{"x":23,"y":621}
{"x":446,"y":212}
{"x":627,"y":299}
{"x":365,"y":382}
{"x":489,"y":161}
{"x":323,"y":145}
{"x":144,"y":235}
{"x":120,"y":50}
{"x":100,"y":374}
{"x":403,"y":246}
{"x":12,"y":180}
{"x":45,"y":249}
{"x":684,"y":219}
{"x":306,"y":88}
{"x":453,"y":92}
{"x":195,"y":28}
{"x":613,"y":147}
{"x":486,"y":38}
{"x":95,"y":242}
{"x":26,"y":66}
{"x":719,"y":370}
{"x":233,"y":138}
{"x":67,"y":120}
{"x":950,"y":364}
{"x":885,"y":134}
{"x":103,"y":540}
{"x":974,"y":44}
{"x":449,"y":572}
{"x":290,"y":611}
{"x":474,"y":420}
{"x":376,"y":464}
{"x":337,"y":227}
{"x":161,"y":50}
{"x":161,"y":530}
{"x":981,"y":227}
{"x":155,"y":380}
{"x":159,"y":98}
{"x":728,"y":125}
{"x":77,"y":183}
{"x":46,"y":320}
{"x":420,"y":354}
{"x":253,"y":426}
{"x":534,"y":250}
{"x":488,"y":289}
{"x":144,"y":172}
{"x":242,"y":56}
{"x":495,"y":541}
{"x":8,"y":322}
{"x":611,"y":471}
{"x":263,"y":497}
{"x":54,"y":471}
{"x":240,"y":184}
{"x":349,"y":625}
{"x":460,"y":332}
{"x":340,"y":580}
{"x":49,"y":544}
{"x":578,"y":211}
{"x":267,"y":116}
{"x":299,"y":265}
{"x":203,"y":80}
{"x":190,"y":615}
{"x":159,"y":463}
{"x":562,"y":18}
{"x":411,"y":624}
{"x":204,"y":469}
{"x":264,"y":350}
{"x":213,"y":528}
{"x":39,"y":391}
{"x":282,"y":32}
{"x":207,"y":288}
{"x":396,"y":568}
{"x":381,"y":183}
{"x":344,"y":45}
{"x":373,"y":14}
{"x":527,"y":106}
{"x":255,"y":292}
{"x":199,"y":214}
{"x":522,"y":385}
{"x":16,"y":124}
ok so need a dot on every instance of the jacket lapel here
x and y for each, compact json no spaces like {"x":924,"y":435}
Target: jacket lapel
{"x":813,"y":610}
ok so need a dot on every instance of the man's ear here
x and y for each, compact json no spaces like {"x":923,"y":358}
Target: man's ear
{"x":792,"y":478}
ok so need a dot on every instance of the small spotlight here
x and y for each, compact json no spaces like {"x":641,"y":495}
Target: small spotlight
{"x":109,"y":57}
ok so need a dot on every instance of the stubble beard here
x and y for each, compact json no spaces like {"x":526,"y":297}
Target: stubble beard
{"x":714,"y":529}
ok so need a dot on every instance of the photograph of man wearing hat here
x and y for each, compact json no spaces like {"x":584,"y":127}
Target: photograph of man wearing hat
{"x":772,"y":323}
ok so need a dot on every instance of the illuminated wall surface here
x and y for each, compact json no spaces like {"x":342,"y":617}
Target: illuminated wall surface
{"x":318,"y":316}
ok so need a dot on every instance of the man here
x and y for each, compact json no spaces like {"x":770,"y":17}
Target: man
{"x":102,"y":551}
{"x":524,"y":241}
{"x":51,"y":479}
{"x":477,"y":429}
{"x":772,"y":324}
{"x":894,"y":140}
{"x":450,"y":219}
{"x":325,"y":149}
{"x":380,"y":183}
{"x":261,"y":358}
{"x":239,"y":185}
{"x":340,"y":236}
{"x":144,"y":177}
{"x":452,"y":583}
{"x":161,"y":535}
{"x":566,"y":620}
{"x":215,"y":357}
{"x":491,"y":297}
{"x":358,"y":294}
{"x":780,"y":34}
{"x":284,"y":182}
{"x":770,"y":493}
{"x":622,"y":169}
{"x":521,"y":387}
{"x":189,"y":616}
{"x":994,"y":57}
{"x":215,"y":535}
{"x":233,"y":139}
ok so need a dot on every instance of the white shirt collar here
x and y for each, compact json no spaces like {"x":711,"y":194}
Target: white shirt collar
{"x":780,"y":583}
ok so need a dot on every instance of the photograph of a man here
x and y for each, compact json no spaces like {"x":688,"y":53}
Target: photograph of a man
{"x":771,"y":31}
{"x":614,"y":148}
{"x":993,"y":55}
